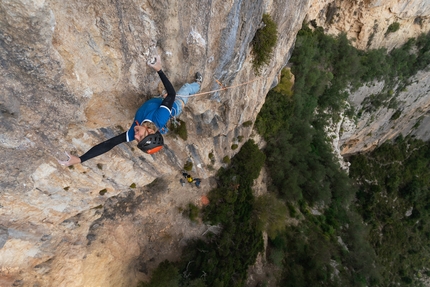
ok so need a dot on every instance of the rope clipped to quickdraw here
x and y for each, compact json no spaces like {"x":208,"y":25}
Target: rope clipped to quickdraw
{"x":220,"y":84}
{"x":223,"y":88}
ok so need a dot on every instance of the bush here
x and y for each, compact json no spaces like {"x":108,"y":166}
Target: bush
{"x":276,"y":256}
{"x":270,"y":213}
{"x":249,"y":161}
{"x":212,"y":157}
{"x":192,"y":212}
{"x":234,"y":146}
{"x":247,"y":124}
{"x":263,"y":43}
{"x":392,"y":28}
{"x":179,"y":129}
{"x":396,"y":115}
{"x":188,"y":165}
{"x":226,"y":159}
{"x":166,"y":275}
{"x":285,"y":85}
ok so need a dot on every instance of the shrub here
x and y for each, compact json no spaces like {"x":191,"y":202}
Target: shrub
{"x":192,"y":212}
{"x":211,"y":156}
{"x":247,"y":124}
{"x":188,"y":165}
{"x":396,"y":115}
{"x":234,"y":146}
{"x":392,"y":28}
{"x":270,"y":213}
{"x":285,"y":85}
{"x":226,"y":159}
{"x":166,"y":275}
{"x":276,"y":256}
{"x":263,"y":43}
{"x":179,"y":129}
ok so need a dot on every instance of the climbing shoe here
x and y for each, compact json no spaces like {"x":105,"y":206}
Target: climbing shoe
{"x":199,"y":77}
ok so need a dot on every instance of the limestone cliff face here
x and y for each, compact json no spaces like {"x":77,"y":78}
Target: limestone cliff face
{"x":366,"y":24}
{"x":72,"y":74}
{"x":371,"y":129}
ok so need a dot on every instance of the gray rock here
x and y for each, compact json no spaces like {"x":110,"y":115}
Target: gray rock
{"x":4,"y":235}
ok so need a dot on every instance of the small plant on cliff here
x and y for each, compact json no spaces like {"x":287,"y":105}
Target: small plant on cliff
{"x":179,"y":129}
{"x":212,"y":157}
{"x":247,"y":124}
{"x":166,"y":274}
{"x":226,"y":159}
{"x":392,"y":28}
{"x":188,"y":166}
{"x":192,"y":212}
{"x":263,"y":43}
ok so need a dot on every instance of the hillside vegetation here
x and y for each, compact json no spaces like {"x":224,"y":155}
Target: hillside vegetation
{"x":346,"y":239}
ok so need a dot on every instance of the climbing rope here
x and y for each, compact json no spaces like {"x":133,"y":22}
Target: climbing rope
{"x":223,"y":88}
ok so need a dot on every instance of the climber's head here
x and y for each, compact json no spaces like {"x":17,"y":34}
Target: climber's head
{"x":150,"y":140}
{"x":152,"y":143}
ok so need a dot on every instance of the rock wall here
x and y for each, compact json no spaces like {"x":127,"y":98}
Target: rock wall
{"x":72,"y":74}
{"x":410,"y":116}
{"x":366,"y":22}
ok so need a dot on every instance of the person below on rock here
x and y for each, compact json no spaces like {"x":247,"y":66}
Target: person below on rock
{"x":190,"y":179}
{"x":150,"y":119}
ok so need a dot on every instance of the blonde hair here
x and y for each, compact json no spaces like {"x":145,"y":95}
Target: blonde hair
{"x":150,"y":125}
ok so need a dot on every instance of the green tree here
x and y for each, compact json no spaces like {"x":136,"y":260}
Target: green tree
{"x":270,"y":213}
{"x":263,"y":43}
{"x":165,"y":275}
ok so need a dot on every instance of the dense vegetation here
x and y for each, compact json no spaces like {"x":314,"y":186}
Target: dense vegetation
{"x":263,"y":43}
{"x":394,"y":201}
{"x":304,"y":172}
{"x":369,"y":229}
{"x":223,"y":257}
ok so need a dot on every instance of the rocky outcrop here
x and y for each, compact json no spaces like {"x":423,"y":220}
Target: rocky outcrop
{"x":366,"y":22}
{"x":408,"y":116}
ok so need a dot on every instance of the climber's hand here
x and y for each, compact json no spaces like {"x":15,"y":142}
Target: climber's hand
{"x":157,"y":65}
{"x":71,"y":160}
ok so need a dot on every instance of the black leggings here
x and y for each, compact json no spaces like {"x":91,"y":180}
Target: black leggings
{"x":104,"y":147}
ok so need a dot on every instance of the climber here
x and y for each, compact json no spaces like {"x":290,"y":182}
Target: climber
{"x":197,"y":182}
{"x":188,"y":177}
{"x":150,"y":119}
